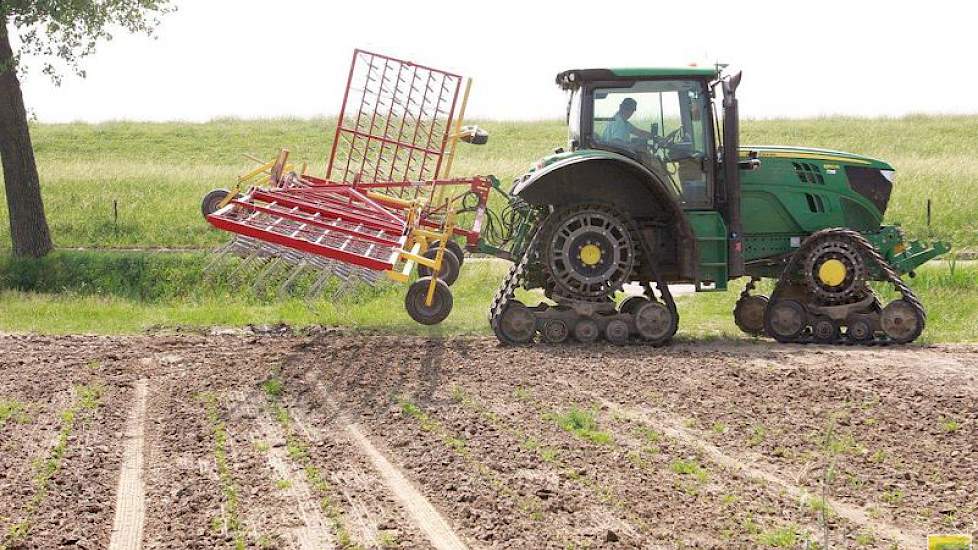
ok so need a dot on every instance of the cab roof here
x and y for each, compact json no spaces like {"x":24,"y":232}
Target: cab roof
{"x":574,"y":77}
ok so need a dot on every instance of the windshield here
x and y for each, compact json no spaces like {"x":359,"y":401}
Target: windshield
{"x":662,"y":123}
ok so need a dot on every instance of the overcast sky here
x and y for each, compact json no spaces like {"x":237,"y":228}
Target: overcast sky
{"x":249,"y":58}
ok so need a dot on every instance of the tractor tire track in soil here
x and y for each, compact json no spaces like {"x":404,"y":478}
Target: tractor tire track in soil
{"x":380,"y":513}
{"x":711,"y":445}
{"x":411,"y":502}
{"x":130,"y":500}
{"x":673,"y":429}
{"x":313,"y":533}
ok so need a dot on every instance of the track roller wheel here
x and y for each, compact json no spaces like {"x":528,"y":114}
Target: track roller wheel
{"x":785,"y":320}
{"x":586,"y":331}
{"x":858,"y":330}
{"x":555,"y":331}
{"x":441,"y":302}
{"x":655,"y":323}
{"x":749,"y":314}
{"x":825,"y":331}
{"x":616,"y":332}
{"x":901,"y":321}
{"x":450,"y":265}
{"x":516,"y":325}
{"x":630,"y":304}
{"x":455,"y":249}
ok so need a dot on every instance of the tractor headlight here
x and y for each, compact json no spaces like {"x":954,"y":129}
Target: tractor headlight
{"x":888,"y":174}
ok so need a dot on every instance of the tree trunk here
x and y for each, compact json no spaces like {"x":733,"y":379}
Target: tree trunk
{"x":28,"y":226}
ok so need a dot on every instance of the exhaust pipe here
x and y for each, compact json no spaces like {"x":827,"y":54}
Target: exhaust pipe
{"x":731,"y":175}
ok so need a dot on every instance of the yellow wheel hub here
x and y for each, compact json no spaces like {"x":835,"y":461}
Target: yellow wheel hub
{"x":590,"y":254}
{"x":832,"y":272}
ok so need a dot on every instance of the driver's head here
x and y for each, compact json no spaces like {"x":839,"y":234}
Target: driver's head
{"x":627,"y":107}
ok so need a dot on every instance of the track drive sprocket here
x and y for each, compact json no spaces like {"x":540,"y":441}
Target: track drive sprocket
{"x":834,"y":270}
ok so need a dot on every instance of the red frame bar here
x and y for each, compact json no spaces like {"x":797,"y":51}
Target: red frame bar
{"x":234,"y":226}
{"x":337,"y":214}
{"x":315,"y":223}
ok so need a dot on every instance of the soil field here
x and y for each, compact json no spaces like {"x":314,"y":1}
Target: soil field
{"x":344,"y":440}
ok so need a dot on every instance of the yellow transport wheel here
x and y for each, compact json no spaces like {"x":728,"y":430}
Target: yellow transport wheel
{"x":441,"y":302}
{"x":455,"y":248}
{"x":450,"y":265}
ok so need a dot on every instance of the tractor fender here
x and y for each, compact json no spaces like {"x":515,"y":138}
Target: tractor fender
{"x":611,"y":178}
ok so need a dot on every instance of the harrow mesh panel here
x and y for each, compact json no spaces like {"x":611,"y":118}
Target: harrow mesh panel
{"x":394,"y":123}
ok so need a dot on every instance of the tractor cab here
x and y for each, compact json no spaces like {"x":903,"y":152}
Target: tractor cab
{"x":662,"y":118}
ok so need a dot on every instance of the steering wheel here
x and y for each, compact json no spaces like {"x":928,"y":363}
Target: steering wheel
{"x":662,"y":146}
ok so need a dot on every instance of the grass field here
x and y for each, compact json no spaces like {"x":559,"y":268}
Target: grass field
{"x":156,"y":174}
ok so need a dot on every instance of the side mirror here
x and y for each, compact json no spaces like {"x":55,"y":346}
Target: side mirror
{"x":752,"y":162}
{"x":473,"y":135}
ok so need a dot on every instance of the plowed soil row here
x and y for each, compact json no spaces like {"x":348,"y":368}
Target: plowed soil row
{"x":346,"y":440}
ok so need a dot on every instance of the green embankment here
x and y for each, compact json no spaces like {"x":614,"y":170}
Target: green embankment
{"x":156,"y":174}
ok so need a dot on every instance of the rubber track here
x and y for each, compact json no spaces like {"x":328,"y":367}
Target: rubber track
{"x":515,"y":278}
{"x":865,"y":247}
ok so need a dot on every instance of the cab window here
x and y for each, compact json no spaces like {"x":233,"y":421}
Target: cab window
{"x":662,"y":124}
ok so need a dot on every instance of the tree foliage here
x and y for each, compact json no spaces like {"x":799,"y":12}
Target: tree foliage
{"x":60,"y":33}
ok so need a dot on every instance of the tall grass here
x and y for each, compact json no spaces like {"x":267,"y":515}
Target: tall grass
{"x":156,"y":173}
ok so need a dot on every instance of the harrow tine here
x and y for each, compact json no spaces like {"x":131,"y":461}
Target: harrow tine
{"x":283,"y":289}
{"x":317,"y":287}
{"x":219,"y":260}
{"x":270,"y":267}
{"x":238,"y":272}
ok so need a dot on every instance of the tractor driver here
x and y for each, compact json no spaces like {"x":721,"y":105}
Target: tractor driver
{"x":619,"y":130}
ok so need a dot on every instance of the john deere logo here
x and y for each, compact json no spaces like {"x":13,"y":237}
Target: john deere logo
{"x":949,"y":542}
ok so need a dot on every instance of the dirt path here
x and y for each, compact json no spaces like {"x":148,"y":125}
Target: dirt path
{"x":380,"y":442}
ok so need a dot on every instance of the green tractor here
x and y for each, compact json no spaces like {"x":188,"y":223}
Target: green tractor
{"x":654,"y":190}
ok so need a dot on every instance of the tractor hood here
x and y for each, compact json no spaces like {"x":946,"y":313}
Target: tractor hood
{"x":865,"y":179}
{"x":814,"y":153}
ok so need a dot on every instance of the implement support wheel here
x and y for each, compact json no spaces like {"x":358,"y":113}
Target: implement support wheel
{"x":212,"y":201}
{"x":455,"y":248}
{"x":441,"y":302}
{"x":449,"y":265}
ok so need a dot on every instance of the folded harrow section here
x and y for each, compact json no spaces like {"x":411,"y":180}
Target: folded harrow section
{"x":386,"y":204}
{"x":394,"y":124}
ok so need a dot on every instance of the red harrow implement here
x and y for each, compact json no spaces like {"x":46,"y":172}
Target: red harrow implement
{"x":386,"y":204}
